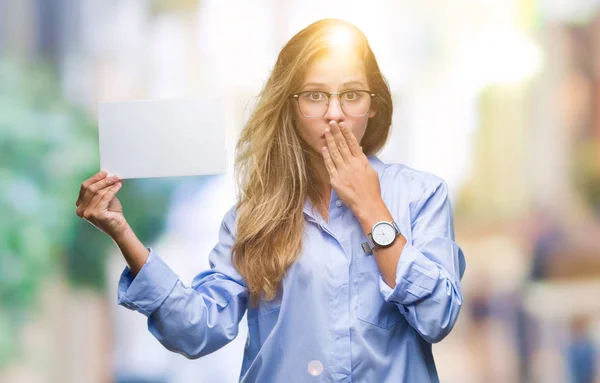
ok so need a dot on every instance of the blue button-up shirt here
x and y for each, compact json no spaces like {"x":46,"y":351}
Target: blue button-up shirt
{"x":335,"y":319}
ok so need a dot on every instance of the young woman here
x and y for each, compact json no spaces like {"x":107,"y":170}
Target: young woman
{"x":346,"y":266}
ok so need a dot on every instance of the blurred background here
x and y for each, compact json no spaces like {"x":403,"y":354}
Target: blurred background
{"x":499,"y":98}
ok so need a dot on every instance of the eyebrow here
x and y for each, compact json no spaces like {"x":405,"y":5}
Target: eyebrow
{"x":323,"y":85}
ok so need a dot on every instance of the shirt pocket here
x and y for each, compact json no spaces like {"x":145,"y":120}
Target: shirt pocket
{"x":371,"y":307}
{"x":265,"y":307}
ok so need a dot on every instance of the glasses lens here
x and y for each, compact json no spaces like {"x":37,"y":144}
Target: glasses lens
{"x":313,"y":104}
{"x":356,"y":102}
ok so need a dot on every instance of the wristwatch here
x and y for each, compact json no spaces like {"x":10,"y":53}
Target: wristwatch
{"x":382,"y":235}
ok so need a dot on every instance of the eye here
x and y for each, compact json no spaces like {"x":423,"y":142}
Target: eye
{"x":315,"y":96}
{"x":351,"y":96}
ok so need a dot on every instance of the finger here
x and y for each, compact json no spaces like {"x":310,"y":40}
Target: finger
{"x":79,"y":211}
{"x":92,"y":206}
{"x":334,"y":153}
{"x":340,"y":141}
{"x":353,"y":144}
{"x":93,"y":179}
{"x":109,"y":195}
{"x":90,"y":201}
{"x":97,"y":203}
{"x":98,"y":186}
{"x":331,"y":169}
{"x":86,"y":202}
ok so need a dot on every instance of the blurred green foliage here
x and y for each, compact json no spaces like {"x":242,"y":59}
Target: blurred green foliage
{"x":586,"y":170}
{"x":162,"y":6}
{"x":47,"y":148}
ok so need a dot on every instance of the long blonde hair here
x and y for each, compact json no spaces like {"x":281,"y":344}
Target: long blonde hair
{"x":272,"y":164}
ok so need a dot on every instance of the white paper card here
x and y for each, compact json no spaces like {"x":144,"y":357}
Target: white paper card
{"x":162,"y":138}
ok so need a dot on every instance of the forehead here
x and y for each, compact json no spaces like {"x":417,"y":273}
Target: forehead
{"x":336,"y":68}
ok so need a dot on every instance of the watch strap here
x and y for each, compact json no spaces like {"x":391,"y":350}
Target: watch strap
{"x":369,"y":245}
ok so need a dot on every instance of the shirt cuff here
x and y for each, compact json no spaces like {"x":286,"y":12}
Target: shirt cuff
{"x":416,"y":278}
{"x":149,"y":289}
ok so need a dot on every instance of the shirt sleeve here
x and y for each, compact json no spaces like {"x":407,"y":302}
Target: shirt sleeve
{"x":429,"y":270}
{"x":192,"y":321}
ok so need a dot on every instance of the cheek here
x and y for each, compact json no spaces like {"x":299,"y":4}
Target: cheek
{"x":360,"y":128}
{"x":306,"y":129}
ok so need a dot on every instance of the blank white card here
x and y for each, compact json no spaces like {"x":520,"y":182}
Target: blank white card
{"x":162,"y":138}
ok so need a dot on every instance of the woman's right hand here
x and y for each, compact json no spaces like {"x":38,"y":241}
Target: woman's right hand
{"x":98,"y":204}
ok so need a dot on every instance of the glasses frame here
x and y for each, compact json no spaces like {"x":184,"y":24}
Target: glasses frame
{"x":296,"y":96}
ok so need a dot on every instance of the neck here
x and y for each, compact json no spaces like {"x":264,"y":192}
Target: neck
{"x":319,"y":178}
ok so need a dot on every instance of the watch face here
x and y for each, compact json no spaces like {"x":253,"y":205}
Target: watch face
{"x":383,"y":234}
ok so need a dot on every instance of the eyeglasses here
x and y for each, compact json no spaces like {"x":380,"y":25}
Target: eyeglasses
{"x":314,"y":103}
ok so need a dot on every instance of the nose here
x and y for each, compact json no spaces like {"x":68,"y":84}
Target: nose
{"x":334,"y":110}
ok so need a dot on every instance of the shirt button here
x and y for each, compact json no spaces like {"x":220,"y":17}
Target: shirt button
{"x":338,"y":203}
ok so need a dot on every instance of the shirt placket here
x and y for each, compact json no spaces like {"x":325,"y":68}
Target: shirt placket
{"x":340,"y":299}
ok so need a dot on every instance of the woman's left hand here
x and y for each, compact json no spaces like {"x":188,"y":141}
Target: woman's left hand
{"x":350,"y":173}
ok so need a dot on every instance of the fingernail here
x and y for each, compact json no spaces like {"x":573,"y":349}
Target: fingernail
{"x":102,"y":172}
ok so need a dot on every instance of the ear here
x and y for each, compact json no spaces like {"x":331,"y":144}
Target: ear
{"x":372,"y":113}
{"x":373,"y":110}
